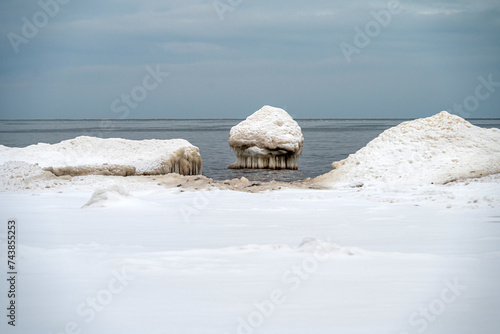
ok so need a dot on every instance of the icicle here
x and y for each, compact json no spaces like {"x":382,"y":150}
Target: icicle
{"x":184,"y":163}
{"x":265,"y":159}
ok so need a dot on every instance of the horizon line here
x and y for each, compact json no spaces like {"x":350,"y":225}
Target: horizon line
{"x":216,"y":119}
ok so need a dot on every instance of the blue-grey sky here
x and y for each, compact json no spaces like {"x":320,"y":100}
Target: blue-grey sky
{"x":227,"y":58}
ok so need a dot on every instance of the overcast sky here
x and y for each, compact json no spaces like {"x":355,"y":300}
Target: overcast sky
{"x":316,"y":59}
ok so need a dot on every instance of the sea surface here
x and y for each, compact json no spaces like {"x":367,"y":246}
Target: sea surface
{"x":326,"y":140}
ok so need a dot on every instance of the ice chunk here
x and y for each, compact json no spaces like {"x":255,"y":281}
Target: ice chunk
{"x":269,"y":138}
{"x":437,"y":149}
{"x":96,"y":156}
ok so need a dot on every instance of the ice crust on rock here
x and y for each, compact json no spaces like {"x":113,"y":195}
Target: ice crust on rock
{"x":437,"y":149}
{"x":269,"y":138}
{"x":95,"y":156}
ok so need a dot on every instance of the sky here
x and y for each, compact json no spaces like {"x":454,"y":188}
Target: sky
{"x":150,"y":59}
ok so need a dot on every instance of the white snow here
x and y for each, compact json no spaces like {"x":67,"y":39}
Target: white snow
{"x":269,"y":138}
{"x":104,"y":197}
{"x":350,"y":260}
{"x":437,"y":149}
{"x":89,"y":155}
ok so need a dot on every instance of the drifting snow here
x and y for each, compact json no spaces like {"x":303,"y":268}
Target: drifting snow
{"x":105,"y":197}
{"x":269,"y":138}
{"x":96,"y":156}
{"x":438,"y":149}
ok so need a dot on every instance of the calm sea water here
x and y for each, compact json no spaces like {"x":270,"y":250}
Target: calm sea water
{"x":326,"y":140}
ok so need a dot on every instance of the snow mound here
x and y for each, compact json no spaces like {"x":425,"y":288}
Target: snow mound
{"x":16,"y":175}
{"x":269,"y":138}
{"x":107,"y":197}
{"x":434,"y":150}
{"x":307,"y":246}
{"x":313,"y":245}
{"x":96,"y":156}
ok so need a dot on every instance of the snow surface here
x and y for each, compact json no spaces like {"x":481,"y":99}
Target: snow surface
{"x":350,"y":260}
{"x":89,"y":155}
{"x":437,"y":149}
{"x":269,"y":138}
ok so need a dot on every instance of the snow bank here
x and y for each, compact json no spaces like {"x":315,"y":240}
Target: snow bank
{"x":269,"y":138}
{"x":96,"y":156}
{"x":437,"y":149}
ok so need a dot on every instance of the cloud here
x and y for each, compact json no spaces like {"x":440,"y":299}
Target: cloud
{"x":263,"y":51}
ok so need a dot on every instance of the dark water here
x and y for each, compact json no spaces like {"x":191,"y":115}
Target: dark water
{"x":325,"y":140}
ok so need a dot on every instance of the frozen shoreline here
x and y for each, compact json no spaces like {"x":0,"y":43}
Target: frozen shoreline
{"x":23,"y":177}
{"x":203,"y":256}
{"x":187,"y":254}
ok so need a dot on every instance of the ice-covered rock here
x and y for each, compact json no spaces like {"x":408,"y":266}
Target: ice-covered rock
{"x":269,"y":138}
{"x":437,"y":149}
{"x":96,"y":156}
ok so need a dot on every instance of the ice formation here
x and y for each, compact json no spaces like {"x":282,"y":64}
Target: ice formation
{"x":437,"y":149}
{"x":269,"y":138}
{"x":96,"y":156}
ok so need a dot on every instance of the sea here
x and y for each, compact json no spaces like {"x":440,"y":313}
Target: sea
{"x":325,"y":140}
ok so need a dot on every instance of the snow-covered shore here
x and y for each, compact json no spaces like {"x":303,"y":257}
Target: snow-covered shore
{"x":352,"y":251}
{"x":154,"y":260}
